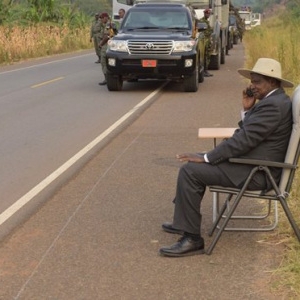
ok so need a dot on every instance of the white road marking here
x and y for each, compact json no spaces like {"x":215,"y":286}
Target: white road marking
{"x":46,"y":82}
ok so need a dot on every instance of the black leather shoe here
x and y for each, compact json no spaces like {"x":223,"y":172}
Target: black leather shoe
{"x":104,"y":82}
{"x":168,"y":227}
{"x":184,"y":247}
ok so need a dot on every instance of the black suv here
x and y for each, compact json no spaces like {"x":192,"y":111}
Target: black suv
{"x":157,"y":41}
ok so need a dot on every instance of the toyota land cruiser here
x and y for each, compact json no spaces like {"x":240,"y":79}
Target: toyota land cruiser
{"x":157,"y":41}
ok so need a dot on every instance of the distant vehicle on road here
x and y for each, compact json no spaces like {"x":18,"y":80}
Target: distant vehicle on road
{"x":221,"y":40}
{"x":256,"y":19}
{"x":246,"y":15}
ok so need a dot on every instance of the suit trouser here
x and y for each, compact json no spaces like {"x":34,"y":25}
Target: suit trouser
{"x":191,"y":185}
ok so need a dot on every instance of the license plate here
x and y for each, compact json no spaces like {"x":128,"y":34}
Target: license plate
{"x":146,"y":63}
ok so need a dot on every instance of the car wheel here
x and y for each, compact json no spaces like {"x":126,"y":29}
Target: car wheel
{"x":114,"y":83}
{"x":215,"y":60}
{"x":190,"y":84}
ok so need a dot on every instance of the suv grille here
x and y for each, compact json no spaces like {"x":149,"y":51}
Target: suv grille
{"x":150,"y":47}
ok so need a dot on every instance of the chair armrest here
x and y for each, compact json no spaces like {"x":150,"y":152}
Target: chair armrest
{"x":265,"y":163}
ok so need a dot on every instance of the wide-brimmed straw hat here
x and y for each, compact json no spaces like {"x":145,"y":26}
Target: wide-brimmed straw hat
{"x":267,"y":67}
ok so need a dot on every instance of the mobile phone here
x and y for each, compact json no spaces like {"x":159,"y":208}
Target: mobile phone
{"x":249,"y":92}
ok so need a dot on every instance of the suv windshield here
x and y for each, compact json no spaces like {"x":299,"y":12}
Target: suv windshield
{"x":162,"y":19}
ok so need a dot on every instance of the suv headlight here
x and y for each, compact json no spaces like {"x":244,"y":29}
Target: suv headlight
{"x":184,"y":46}
{"x":115,"y":45}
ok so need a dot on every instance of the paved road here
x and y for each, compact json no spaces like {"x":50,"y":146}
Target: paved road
{"x":51,"y":109}
{"x":98,"y":236}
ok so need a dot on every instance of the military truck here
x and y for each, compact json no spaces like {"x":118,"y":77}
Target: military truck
{"x":246,"y":15}
{"x":219,"y":21}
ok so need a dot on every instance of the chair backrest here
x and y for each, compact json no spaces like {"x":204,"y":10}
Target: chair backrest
{"x":293,"y":151}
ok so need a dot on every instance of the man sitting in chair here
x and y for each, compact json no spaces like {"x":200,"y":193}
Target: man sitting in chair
{"x":263,"y":133}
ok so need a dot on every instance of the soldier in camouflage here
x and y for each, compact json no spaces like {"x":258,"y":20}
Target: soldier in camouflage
{"x":240,"y":23}
{"x":94,"y":32}
{"x":104,"y":17}
{"x":108,"y":30}
{"x":207,"y":33}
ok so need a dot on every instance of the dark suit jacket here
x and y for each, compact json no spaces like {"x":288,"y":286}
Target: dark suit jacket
{"x":263,"y":134}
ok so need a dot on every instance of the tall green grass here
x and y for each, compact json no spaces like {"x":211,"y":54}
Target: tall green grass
{"x":279,"y":38}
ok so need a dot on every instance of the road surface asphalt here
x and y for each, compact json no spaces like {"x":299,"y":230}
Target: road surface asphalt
{"x":98,"y":236}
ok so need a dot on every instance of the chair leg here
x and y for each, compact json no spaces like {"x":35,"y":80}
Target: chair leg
{"x":290,"y":216}
{"x":280,"y":197}
{"x":225,"y":222}
{"x":260,"y":217}
{"x":220,"y":215}
{"x":231,"y":211}
{"x":284,"y":205}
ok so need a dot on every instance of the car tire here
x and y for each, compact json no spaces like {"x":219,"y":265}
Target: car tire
{"x":114,"y":82}
{"x":190,"y":83}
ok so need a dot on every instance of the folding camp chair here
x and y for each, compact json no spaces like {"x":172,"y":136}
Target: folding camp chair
{"x":279,"y":192}
{"x":221,"y":133}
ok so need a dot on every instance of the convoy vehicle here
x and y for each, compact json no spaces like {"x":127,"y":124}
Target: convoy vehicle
{"x":236,"y":24}
{"x":246,"y":15}
{"x":233,"y":29}
{"x":221,"y":39}
{"x":219,"y":21}
{"x":256,"y":19}
{"x":157,"y":40}
{"x":118,"y":4}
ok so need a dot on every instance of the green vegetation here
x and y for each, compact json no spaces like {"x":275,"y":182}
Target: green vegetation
{"x":48,"y":10}
{"x":35,"y":11}
{"x":279,"y":38}
{"x":91,"y":6}
{"x":261,"y":6}
{"x":36,"y":28}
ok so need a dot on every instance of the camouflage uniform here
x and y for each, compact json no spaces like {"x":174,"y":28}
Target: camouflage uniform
{"x":94,"y":33}
{"x":207,"y":33}
{"x":239,"y":22}
{"x":108,"y":30}
{"x":103,"y":47}
{"x":241,"y":28}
